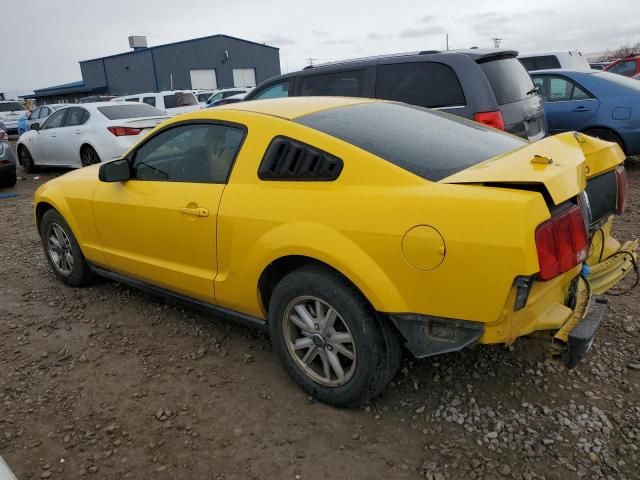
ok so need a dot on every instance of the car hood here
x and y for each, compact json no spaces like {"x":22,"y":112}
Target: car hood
{"x":561,"y":163}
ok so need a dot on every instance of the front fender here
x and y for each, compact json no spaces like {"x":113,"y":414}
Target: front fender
{"x":315,"y":241}
{"x":72,"y":199}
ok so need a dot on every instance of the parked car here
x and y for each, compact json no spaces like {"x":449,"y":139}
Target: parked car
{"x":10,"y":112}
{"x":203,"y":96}
{"x":488,"y":86}
{"x":347,"y":227}
{"x":84,"y":134}
{"x":7,"y":160}
{"x":97,"y":98}
{"x":230,"y":99}
{"x":600,"y":104}
{"x":172,"y":102}
{"x":41,"y":113}
{"x":226,"y":93}
{"x":572,"y":60}
{"x":627,"y":66}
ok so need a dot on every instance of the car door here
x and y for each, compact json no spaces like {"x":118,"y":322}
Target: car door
{"x":160,"y":226}
{"x":45,"y":146}
{"x":568,"y":106}
{"x":73,"y":136}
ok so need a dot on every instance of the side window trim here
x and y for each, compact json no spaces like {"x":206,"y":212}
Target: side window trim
{"x":245,"y":130}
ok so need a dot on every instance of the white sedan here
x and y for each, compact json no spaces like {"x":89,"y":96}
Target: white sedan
{"x":88,"y":133}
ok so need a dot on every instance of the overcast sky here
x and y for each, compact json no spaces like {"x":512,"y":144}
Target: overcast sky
{"x":45,"y":39}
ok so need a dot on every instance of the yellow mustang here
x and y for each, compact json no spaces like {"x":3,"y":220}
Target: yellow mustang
{"x":347,"y":227}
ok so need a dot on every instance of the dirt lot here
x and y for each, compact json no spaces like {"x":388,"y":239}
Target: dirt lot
{"x":108,"y":382}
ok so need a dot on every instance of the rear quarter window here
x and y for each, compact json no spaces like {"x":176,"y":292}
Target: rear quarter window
{"x":508,"y":78}
{"x":424,"y":142}
{"x":426,"y":84}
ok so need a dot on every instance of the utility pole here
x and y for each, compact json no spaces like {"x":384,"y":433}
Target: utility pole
{"x":447,"y":41}
{"x":310,"y":61}
{"x":496,"y":42}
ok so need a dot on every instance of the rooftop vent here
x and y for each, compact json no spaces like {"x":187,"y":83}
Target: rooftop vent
{"x":138,"y":42}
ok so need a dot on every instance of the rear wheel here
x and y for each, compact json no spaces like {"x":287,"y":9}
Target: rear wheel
{"x":329,"y":339}
{"x":604,"y":134}
{"x":26,"y":160}
{"x":62,"y":250}
{"x":88,"y":156}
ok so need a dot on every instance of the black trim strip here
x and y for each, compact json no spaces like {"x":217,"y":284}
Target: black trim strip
{"x":225,"y":313}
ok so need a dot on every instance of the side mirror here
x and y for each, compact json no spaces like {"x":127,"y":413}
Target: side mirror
{"x":35,"y":126}
{"x":115,"y":171}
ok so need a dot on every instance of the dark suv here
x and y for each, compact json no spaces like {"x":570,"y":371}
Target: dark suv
{"x":489,"y":86}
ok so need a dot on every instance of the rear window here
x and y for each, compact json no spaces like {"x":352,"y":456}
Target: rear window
{"x":509,"y":80}
{"x":118,"y":112}
{"x":542,"y":62}
{"x":424,"y":142}
{"x":180,"y":99}
{"x":11,"y":107}
{"x":426,"y":84}
{"x":340,"y":84}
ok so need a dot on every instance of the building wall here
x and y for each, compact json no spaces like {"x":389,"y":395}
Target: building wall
{"x":93,"y":73}
{"x":152,"y":69}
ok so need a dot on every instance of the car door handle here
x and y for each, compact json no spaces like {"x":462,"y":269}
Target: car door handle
{"x":77,"y":132}
{"x":196,"y":211}
{"x":53,"y":134}
{"x":581,"y":108}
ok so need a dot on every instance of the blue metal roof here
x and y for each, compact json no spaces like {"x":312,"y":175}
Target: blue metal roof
{"x":219,"y":35}
{"x":65,"y":88}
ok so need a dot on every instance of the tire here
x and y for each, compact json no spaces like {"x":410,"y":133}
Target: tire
{"x":374,"y":346}
{"x":26,"y":160}
{"x":604,"y":134}
{"x":69,"y":265}
{"x":88,"y":156}
{"x":8,"y":181}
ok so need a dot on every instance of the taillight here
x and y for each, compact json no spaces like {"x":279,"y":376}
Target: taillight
{"x":561,"y":243}
{"x":621,"y":180}
{"x":124,"y":131}
{"x":492,"y":119}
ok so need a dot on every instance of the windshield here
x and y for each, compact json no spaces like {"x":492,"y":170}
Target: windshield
{"x":11,"y":107}
{"x":509,"y":79}
{"x":180,"y":99}
{"x":130,"y":110}
{"x":424,"y":142}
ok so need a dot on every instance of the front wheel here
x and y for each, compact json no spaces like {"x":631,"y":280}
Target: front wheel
{"x":62,"y":250}
{"x":26,"y":160}
{"x":329,"y":338}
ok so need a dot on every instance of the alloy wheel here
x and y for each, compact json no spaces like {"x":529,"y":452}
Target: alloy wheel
{"x":319,"y":341}
{"x":59,"y":249}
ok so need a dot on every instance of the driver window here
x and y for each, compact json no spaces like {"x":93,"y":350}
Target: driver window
{"x":55,"y":120}
{"x":198,"y":153}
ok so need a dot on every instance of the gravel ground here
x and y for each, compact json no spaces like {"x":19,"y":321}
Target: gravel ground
{"x":108,"y":382}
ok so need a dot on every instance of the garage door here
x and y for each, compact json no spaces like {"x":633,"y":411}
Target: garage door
{"x":244,"y":77}
{"x":204,"y":79}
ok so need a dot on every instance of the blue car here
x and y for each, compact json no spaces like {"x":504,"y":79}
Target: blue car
{"x":600,"y":104}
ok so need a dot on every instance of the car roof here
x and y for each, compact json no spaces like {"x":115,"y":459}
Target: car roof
{"x":566,"y":70}
{"x":293,"y":107}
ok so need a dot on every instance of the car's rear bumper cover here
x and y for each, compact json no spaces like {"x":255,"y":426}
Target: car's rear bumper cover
{"x":573,"y":330}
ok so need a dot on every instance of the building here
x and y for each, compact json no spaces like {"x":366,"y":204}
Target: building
{"x":217,"y":61}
